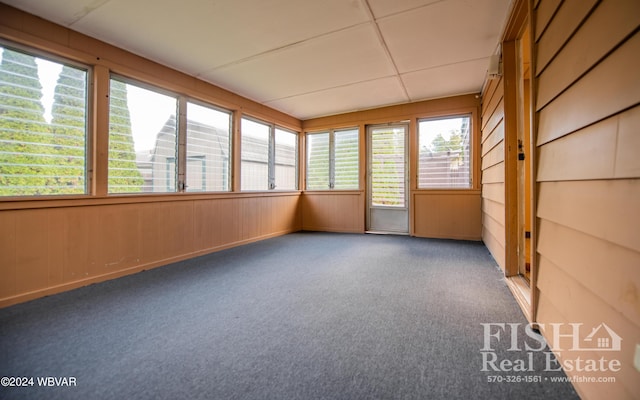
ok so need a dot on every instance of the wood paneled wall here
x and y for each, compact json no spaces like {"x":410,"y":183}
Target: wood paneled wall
{"x":46,"y":250}
{"x":493,"y":170}
{"x":588,"y":113}
{"x":333,"y":211}
{"x":55,"y":244}
{"x":451,"y":214}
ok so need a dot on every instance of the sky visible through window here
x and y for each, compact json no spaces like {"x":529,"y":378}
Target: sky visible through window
{"x":148,"y":113}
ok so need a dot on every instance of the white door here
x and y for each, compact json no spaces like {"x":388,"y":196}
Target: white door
{"x":387,"y":194}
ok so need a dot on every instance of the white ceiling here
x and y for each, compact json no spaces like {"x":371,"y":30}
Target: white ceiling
{"x":307,"y":58}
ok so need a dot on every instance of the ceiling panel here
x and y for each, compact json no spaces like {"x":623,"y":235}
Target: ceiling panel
{"x":303,"y":57}
{"x":463,"y":78}
{"x":203,"y":34}
{"x":343,"y":99}
{"x":383,"y":8}
{"x":348,"y":56}
{"x":444,"y":33}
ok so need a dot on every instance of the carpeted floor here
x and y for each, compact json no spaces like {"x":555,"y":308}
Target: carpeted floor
{"x":303,"y":316}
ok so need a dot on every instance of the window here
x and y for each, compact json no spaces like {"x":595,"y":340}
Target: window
{"x":143,"y":135}
{"x":43,"y":126}
{"x":286,"y":160}
{"x":268,"y":157}
{"x":443,"y":158}
{"x":143,"y":142}
{"x":208,"y":145}
{"x":333,"y":160}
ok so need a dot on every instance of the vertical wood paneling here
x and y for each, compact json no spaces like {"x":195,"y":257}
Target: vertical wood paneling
{"x":8,"y":256}
{"x":335,"y":211}
{"x":589,"y":191}
{"x":450,"y":216}
{"x":49,"y":250}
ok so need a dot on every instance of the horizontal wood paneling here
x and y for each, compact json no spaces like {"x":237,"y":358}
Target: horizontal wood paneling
{"x":495,"y":211}
{"x":493,"y":157}
{"x":545,"y":11}
{"x":493,"y":174}
{"x":601,"y":208}
{"x":447,"y":215}
{"x":548,"y":312}
{"x":49,"y":250}
{"x":565,"y":21}
{"x":333,"y":211}
{"x":577,"y":304}
{"x":583,"y":257}
{"x":588,"y":170}
{"x":616,"y":17}
{"x":494,"y":138}
{"x":615,"y":81}
{"x":493,"y":120}
{"x":606,"y":150}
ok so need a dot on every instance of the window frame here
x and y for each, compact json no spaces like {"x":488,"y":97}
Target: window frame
{"x":182,"y":139}
{"x":227,"y":168}
{"x":471,"y":155}
{"x":271,"y":156}
{"x":89,"y":139}
{"x":332,"y":159}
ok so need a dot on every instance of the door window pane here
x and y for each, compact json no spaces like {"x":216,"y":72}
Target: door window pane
{"x":388,"y":167}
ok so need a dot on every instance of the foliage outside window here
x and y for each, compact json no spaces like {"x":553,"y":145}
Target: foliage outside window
{"x":444,"y":157}
{"x":268,"y":157}
{"x":43,"y":124}
{"x":142,"y":139}
{"x":333,"y":160}
{"x":144,"y":133}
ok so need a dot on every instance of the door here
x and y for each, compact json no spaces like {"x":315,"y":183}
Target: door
{"x":387,"y":194}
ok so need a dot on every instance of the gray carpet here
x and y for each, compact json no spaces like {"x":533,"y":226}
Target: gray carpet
{"x":303,"y":316}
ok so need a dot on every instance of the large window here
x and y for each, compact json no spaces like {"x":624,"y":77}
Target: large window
{"x":443,"y":157}
{"x":142,"y":139}
{"x":144,"y":134}
{"x":208,"y":146}
{"x":268,"y":157}
{"x":332,"y":160}
{"x":43,"y":125}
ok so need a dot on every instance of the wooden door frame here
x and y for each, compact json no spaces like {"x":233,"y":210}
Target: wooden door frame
{"x":526,"y":296}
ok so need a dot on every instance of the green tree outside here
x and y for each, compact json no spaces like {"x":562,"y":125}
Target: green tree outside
{"x":27,"y":162}
{"x":124,"y":176}
{"x":69,"y":129}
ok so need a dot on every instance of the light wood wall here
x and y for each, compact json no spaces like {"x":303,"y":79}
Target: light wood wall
{"x":55,"y":244}
{"x":451,"y":214}
{"x":588,"y":139}
{"x":493,"y":170}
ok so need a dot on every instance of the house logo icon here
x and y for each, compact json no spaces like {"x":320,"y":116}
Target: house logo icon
{"x":602,"y":338}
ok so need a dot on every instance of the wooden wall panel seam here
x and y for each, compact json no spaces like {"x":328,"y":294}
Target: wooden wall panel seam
{"x":566,"y":21}
{"x":611,"y":24}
